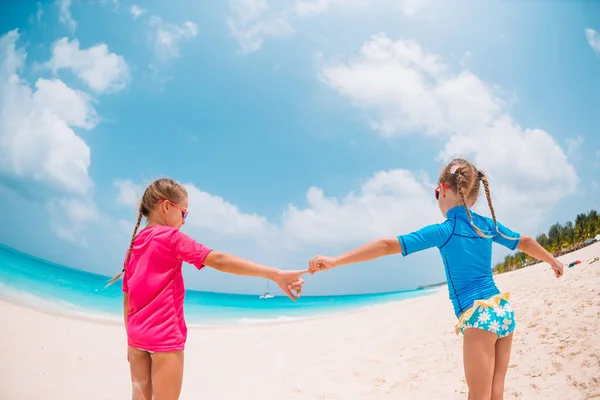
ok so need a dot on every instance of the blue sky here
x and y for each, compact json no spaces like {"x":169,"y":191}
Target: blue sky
{"x":299,"y":127}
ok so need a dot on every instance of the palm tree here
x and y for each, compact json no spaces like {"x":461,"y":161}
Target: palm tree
{"x":593,"y":223}
{"x":580,"y":227}
{"x":568,"y":235}
{"x":543,"y":240}
{"x":555,"y":236}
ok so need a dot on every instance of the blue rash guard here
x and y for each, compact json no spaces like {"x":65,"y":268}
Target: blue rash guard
{"x":467,"y":256}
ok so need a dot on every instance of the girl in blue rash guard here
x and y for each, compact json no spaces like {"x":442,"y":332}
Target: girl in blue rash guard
{"x":485,"y":316}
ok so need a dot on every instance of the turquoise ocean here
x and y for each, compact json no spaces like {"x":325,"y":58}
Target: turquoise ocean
{"x":49,"y":287}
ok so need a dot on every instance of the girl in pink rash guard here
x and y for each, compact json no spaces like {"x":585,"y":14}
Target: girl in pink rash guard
{"x":154,"y":291}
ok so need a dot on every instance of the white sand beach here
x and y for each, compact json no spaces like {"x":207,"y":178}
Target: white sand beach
{"x":406,"y":350}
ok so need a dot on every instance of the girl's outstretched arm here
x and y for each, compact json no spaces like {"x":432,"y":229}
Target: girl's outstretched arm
{"x":287,"y":280}
{"x":192,"y":252}
{"x":375,"y":249}
{"x":531,"y":247}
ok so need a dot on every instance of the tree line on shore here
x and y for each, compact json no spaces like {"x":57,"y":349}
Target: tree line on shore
{"x":560,"y":239}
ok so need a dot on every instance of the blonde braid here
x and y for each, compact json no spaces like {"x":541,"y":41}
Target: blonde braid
{"x":486,"y":187}
{"x":461,"y":183}
{"x":137,"y":226}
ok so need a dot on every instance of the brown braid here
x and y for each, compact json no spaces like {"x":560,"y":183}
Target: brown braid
{"x":160,"y":189}
{"x":486,"y":187}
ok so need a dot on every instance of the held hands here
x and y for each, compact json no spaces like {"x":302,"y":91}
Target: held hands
{"x":290,"y":281}
{"x":321,"y":263}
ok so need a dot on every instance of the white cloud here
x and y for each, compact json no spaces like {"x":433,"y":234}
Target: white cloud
{"x":404,"y":90}
{"x":115,"y":3}
{"x":38,"y":143}
{"x":129,"y":193}
{"x":207,"y":212}
{"x":71,"y":106}
{"x":69,"y":217}
{"x":167,"y":37}
{"x":126,"y":227}
{"x":251,"y":21}
{"x":316,"y":7}
{"x":136,"y":11}
{"x":40,"y":12}
{"x":529,"y":172}
{"x":410,"y":8}
{"x":387,"y":202}
{"x":377,"y":210}
{"x":464,"y":61}
{"x":37,"y":140}
{"x":312,"y":7}
{"x":217,"y":215}
{"x":96,"y":66}
{"x":37,"y":17}
{"x":79,"y":210}
{"x":65,"y":14}
{"x":593,"y":40}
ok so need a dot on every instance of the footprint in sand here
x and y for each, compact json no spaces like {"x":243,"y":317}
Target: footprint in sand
{"x":557,"y":367}
{"x":378,"y":381}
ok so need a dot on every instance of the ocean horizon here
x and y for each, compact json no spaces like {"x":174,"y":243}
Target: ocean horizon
{"x":57,"y":289}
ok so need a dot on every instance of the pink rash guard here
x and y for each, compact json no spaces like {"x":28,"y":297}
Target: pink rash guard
{"x":154,"y":281}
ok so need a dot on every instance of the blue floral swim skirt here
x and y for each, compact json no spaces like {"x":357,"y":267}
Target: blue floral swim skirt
{"x":494,"y":315}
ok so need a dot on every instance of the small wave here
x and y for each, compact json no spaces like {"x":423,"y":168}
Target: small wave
{"x":58,"y":307}
{"x":247,"y":321}
{"x":281,"y":318}
{"x":369,"y":307}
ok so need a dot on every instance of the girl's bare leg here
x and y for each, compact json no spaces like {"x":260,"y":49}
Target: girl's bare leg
{"x":140,"y":365}
{"x":167,"y":375}
{"x":479,"y":352}
{"x":503,"y":348}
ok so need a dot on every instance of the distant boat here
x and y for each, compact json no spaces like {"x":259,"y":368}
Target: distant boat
{"x":267,"y":294}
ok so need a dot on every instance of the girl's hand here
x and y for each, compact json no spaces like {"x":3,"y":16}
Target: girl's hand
{"x":557,"y":267}
{"x":321,"y":263}
{"x":290,"y":281}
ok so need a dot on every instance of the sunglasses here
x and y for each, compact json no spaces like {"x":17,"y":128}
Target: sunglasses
{"x":184,"y":213}
{"x":437,"y":190}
